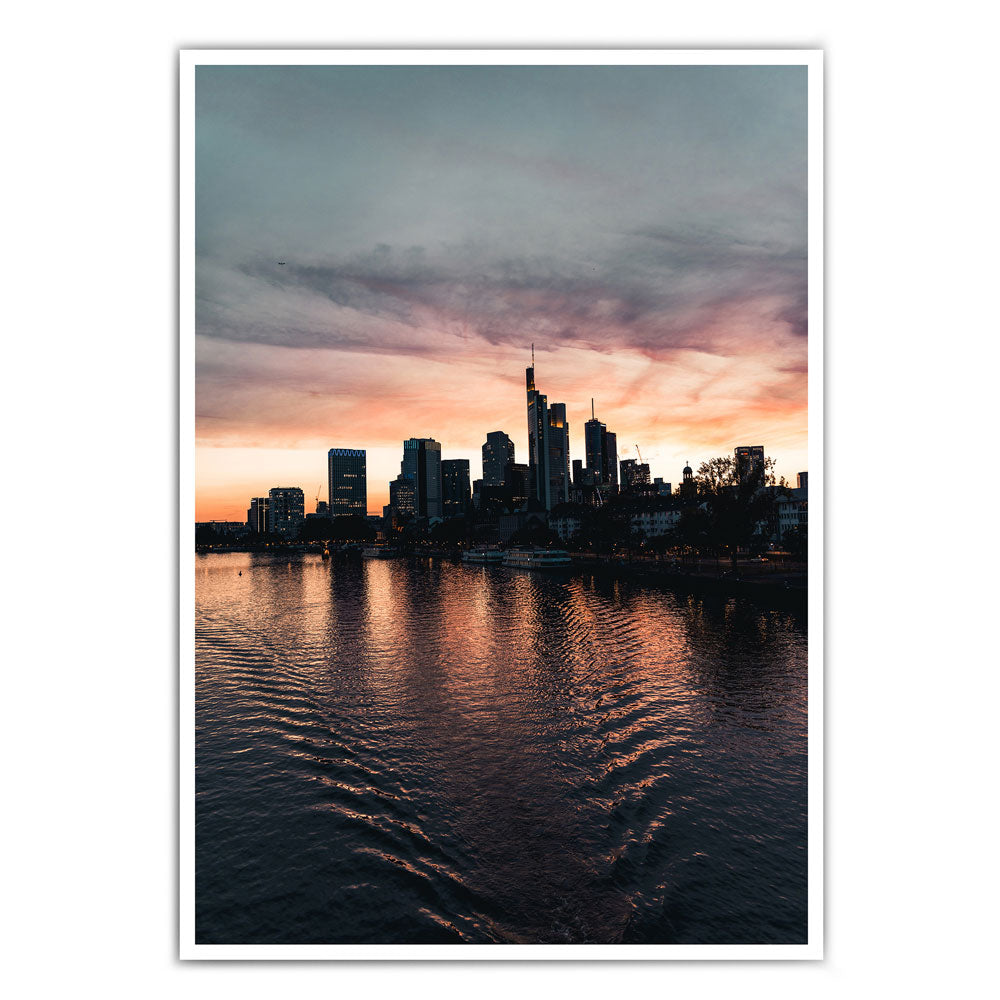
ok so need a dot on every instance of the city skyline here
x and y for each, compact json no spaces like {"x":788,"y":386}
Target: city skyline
{"x":643,"y":226}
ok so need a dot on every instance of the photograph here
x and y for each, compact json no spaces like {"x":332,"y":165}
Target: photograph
{"x":501,"y":610}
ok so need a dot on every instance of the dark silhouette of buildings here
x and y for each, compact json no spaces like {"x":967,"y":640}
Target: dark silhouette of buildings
{"x":548,"y":446}
{"x":455,"y":491}
{"x":601,"y":446}
{"x":347,"y":481}
{"x":417,"y":490}
{"x":635,"y":476}
{"x":257,"y":515}
{"x":286,"y":510}
{"x":498,"y":451}
{"x":750,"y":463}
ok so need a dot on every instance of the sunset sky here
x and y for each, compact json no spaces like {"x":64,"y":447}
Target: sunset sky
{"x":644,"y":226}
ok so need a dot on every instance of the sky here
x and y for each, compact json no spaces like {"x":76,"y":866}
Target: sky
{"x":643,"y":226}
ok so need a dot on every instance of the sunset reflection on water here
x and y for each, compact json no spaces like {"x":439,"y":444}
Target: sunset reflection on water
{"x":416,"y":750}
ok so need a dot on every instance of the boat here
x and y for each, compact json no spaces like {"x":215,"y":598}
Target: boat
{"x":537,"y":558}
{"x":378,"y":552}
{"x":483,"y":555}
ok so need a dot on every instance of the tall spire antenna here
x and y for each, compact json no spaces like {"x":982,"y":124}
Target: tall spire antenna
{"x":592,"y":417}
{"x":532,"y":355}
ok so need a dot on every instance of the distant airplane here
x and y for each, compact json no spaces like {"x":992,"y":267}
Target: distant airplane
{"x":281,"y":262}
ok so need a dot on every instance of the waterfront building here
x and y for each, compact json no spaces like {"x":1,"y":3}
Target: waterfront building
{"x":348,"y":481}
{"x":455,"y":491}
{"x":422,"y":466}
{"x":567,"y":520}
{"x":662,"y":488}
{"x":228,"y":528}
{"x":498,"y":451}
{"x":402,"y":497}
{"x":656,"y":518}
{"x":257,"y":515}
{"x":793,"y":509}
{"x":286,"y":510}
{"x":750,"y":464}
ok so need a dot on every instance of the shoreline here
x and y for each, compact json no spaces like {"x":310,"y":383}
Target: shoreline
{"x":790,"y":591}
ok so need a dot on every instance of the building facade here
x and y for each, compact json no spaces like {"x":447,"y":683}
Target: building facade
{"x":286,"y":510}
{"x":750,"y":464}
{"x":538,"y":441}
{"x":498,"y":451}
{"x":257,"y":515}
{"x":455,"y":488}
{"x":559,"y":463}
{"x":347,"y":480}
{"x":601,"y":447}
{"x":548,"y":447}
{"x":635,"y":475}
{"x":421,"y":465}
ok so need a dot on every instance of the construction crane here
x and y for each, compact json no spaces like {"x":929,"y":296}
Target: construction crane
{"x":639,"y":453}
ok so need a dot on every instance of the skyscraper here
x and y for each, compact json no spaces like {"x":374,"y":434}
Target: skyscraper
{"x":286,"y":510}
{"x":497,"y":452}
{"x":348,"y":481}
{"x":257,"y":515}
{"x":548,"y":446}
{"x":422,"y":466}
{"x":601,"y":447}
{"x":750,"y":464}
{"x":455,"y":490}
{"x":558,"y":455}
{"x":538,"y":439}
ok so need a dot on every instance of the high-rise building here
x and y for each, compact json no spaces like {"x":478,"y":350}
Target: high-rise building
{"x":559,"y":479}
{"x":497,"y":452}
{"x":802,"y":480}
{"x":610,"y":466}
{"x":455,"y":490}
{"x":402,"y":497}
{"x":286,"y":510}
{"x":635,"y":475}
{"x":601,"y":446}
{"x":348,"y":481}
{"x":422,"y":465}
{"x":750,"y":464}
{"x":548,"y":446}
{"x":538,"y":439}
{"x":257,"y":515}
{"x":515,"y":478}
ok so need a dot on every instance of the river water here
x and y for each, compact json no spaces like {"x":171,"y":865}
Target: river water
{"x":405,"y":751}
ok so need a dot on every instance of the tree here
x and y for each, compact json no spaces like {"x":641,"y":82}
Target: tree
{"x":796,"y":541}
{"x":737,"y":502}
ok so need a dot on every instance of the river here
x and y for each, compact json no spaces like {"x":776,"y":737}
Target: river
{"x":414,"y":751}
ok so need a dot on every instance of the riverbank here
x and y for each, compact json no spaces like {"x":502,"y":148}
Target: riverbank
{"x":774,"y":588}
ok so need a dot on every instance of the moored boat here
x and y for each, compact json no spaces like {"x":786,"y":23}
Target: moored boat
{"x":378,"y":552}
{"x":537,"y":558}
{"x":483,"y":555}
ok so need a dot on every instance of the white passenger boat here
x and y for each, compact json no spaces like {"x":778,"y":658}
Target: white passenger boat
{"x":537,"y":558}
{"x":483,"y":555}
{"x":378,"y":552}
